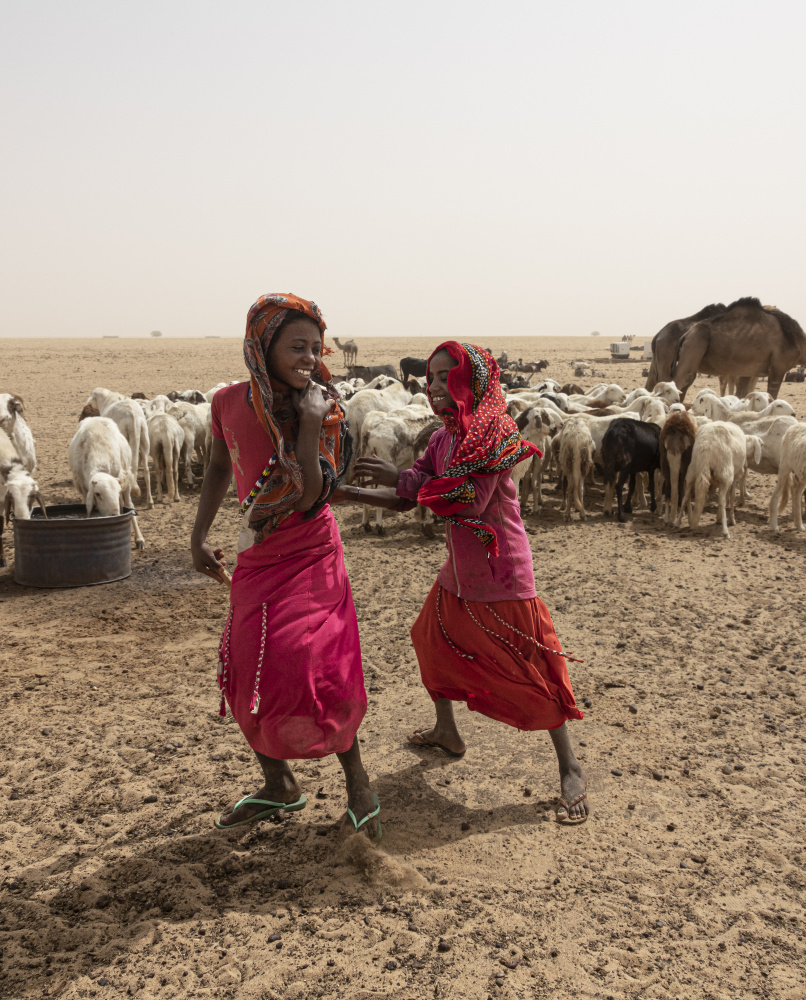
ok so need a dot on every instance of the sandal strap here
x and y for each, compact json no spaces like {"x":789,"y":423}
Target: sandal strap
{"x":358,"y":824}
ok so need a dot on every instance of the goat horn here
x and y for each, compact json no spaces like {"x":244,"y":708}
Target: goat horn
{"x":41,"y":502}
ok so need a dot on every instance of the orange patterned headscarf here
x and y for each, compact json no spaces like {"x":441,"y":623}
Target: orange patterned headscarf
{"x":281,"y":485}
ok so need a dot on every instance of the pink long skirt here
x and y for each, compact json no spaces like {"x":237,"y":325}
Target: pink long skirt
{"x":290,"y":656}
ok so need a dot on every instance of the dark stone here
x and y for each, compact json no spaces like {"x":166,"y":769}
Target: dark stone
{"x":633,"y":709}
{"x":150,"y":798}
{"x":657,"y":776}
{"x":465,"y":826}
{"x":284,"y":883}
{"x":615,"y":772}
{"x":443,"y":945}
{"x":671,"y":827}
{"x":391,"y":965}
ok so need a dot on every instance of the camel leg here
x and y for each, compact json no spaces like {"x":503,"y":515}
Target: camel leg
{"x":774,"y":380}
{"x":743,"y":386}
{"x":690,"y":353}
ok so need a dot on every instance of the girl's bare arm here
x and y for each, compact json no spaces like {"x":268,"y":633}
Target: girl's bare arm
{"x":217,"y":478}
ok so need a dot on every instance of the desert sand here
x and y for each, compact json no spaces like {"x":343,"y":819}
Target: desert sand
{"x":688,"y":880}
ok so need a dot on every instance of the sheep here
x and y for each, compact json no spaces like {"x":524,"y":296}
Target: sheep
{"x":100,"y":459}
{"x":537,"y":425}
{"x":576,"y":449}
{"x":187,"y":396}
{"x":192,"y":418}
{"x":12,"y":421}
{"x":757,"y":400}
{"x":676,"y":442}
{"x":211,"y":392}
{"x":128,"y":415}
{"x":399,"y":437}
{"x":667,"y":391}
{"x":791,"y":474}
{"x":713,"y":407}
{"x":18,"y":489}
{"x":167,"y":439}
{"x":718,"y":458}
{"x":629,"y":447}
{"x":389,"y":398}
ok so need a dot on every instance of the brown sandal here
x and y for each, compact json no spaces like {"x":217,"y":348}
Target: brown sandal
{"x":564,"y":812}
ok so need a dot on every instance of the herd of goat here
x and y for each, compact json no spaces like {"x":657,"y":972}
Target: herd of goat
{"x":650,"y":440}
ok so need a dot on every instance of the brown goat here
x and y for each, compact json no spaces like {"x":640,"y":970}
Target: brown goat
{"x":676,"y":443}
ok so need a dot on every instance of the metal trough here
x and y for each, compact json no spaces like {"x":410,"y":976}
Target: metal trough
{"x":69,"y":549}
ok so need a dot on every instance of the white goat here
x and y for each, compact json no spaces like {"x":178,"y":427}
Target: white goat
{"x":400,"y":437}
{"x":100,"y":459}
{"x":718,"y":458}
{"x":668,"y":392}
{"x":576,"y":449}
{"x":192,"y":418}
{"x":791,"y":475}
{"x":131,"y":420}
{"x":167,"y":439}
{"x":12,"y":421}
{"x":18,"y":489}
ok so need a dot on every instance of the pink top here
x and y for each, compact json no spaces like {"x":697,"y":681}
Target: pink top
{"x":468,"y":571}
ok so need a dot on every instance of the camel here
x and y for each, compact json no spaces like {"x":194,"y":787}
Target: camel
{"x":745,"y":340}
{"x":664,"y":351}
{"x":349,"y":350}
{"x":664,"y":344}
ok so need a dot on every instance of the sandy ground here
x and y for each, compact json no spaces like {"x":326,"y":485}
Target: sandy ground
{"x":688,"y":881}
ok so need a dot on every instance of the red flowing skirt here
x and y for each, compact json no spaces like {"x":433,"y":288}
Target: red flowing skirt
{"x":509,"y":678}
{"x":290,"y":651}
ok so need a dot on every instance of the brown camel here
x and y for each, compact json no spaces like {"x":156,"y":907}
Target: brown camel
{"x":349,"y":350}
{"x":665,"y":342}
{"x":745,"y":340}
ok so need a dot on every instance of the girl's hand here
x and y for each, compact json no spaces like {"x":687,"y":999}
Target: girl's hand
{"x":311,"y":403}
{"x":211,"y":562}
{"x":376,"y":472}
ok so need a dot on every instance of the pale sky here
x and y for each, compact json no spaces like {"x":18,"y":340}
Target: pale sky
{"x":469,"y":169}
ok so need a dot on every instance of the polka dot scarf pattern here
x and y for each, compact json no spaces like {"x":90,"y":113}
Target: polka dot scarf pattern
{"x":489,"y":440}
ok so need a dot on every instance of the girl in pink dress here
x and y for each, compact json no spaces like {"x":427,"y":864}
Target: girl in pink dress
{"x":289,"y":657}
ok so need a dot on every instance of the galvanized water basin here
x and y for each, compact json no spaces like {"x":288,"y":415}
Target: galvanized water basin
{"x":69,"y":549}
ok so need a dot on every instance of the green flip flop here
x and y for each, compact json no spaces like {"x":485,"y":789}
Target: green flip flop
{"x":359,"y":823}
{"x":274,"y":808}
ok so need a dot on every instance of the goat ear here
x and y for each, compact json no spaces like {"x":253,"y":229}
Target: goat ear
{"x":90,"y":501}
{"x":41,"y":502}
{"x":17,"y":404}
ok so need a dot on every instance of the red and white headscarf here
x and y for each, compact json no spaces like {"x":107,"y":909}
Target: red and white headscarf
{"x":489,"y":439}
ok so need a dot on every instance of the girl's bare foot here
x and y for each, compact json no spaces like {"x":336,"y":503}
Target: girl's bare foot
{"x":444,"y":734}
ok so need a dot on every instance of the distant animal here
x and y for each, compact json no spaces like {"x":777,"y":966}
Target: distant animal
{"x":571,"y":388}
{"x":368,"y":372}
{"x":349,"y":350}
{"x":503,"y":360}
{"x":531,"y":366}
{"x":139,"y":395}
{"x":746,"y":340}
{"x":412,"y":367}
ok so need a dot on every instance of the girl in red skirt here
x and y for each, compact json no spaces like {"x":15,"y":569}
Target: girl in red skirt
{"x":483,"y":636}
{"x":290,"y":660}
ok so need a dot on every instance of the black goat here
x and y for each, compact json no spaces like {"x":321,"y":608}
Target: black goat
{"x":629,"y":447}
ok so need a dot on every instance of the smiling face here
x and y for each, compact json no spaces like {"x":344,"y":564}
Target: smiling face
{"x":295,"y":352}
{"x":438,"y":368}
